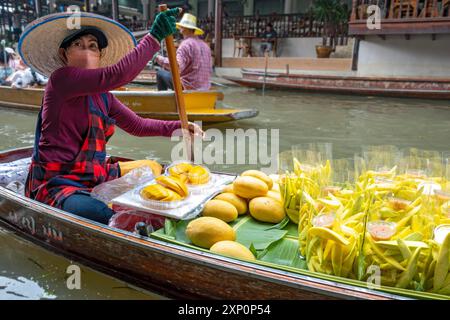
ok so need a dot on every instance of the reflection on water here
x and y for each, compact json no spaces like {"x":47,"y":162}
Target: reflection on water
{"x":349,"y":122}
{"x":21,"y":289}
{"x":29,"y":272}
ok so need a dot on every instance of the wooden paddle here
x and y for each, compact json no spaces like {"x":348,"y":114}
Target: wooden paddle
{"x":171,"y":53}
{"x":266,"y":64}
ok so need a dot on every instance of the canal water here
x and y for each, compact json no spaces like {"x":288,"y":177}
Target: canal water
{"x":348,"y":122}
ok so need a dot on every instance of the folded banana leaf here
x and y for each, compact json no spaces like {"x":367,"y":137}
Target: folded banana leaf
{"x":249,"y":232}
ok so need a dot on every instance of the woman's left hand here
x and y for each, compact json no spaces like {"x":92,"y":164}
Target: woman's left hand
{"x":195,"y":130}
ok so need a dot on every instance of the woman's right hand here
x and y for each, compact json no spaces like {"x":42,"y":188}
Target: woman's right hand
{"x":165,"y":24}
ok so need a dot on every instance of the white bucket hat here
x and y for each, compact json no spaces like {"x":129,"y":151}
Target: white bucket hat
{"x":40,"y":42}
{"x":189,"y":21}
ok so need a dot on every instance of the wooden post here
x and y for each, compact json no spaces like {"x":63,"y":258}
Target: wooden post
{"x":353,"y":14}
{"x":38,"y":8}
{"x":171,"y":53}
{"x":355,"y":54}
{"x":266,"y":65}
{"x":115,"y":9}
{"x":218,"y":34}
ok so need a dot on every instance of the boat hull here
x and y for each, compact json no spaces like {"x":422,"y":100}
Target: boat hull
{"x":166,"y":268}
{"x":200,"y":105}
{"x":394,"y":87}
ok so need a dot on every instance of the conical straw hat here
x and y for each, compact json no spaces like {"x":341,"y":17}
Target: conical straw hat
{"x":41,"y":39}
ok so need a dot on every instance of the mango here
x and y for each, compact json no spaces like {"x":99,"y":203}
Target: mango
{"x":249,"y":187}
{"x":266,"y":209}
{"x":220,"y":209}
{"x":206,"y":231}
{"x":232,"y":249}
{"x":259,"y":175}
{"x":228,"y":188}
{"x":239,"y":203}
{"x":274,"y":195}
{"x":198,"y":175}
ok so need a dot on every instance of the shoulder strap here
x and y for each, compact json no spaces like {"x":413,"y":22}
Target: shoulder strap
{"x":105,"y":101}
{"x":37,"y":133}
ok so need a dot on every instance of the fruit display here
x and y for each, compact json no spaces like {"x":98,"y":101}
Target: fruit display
{"x":206,"y":231}
{"x":228,"y":206}
{"x":386,"y":227}
{"x":250,"y":192}
{"x":232,"y":249}
{"x":165,"y":189}
{"x":190,"y":173}
{"x":383,"y":221}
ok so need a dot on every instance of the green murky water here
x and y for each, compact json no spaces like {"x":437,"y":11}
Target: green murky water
{"x":349,"y":122}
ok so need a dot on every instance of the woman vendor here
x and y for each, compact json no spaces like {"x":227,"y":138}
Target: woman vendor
{"x":78,"y":113}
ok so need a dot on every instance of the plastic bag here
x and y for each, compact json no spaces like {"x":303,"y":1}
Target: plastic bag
{"x":126,"y":219}
{"x":17,"y":187}
{"x":109,"y":190}
{"x":15,"y":171}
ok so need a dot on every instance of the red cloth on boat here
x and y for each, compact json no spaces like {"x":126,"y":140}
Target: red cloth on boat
{"x":126,"y":219}
{"x":66,"y":108}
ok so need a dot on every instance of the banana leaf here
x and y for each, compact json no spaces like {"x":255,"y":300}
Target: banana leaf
{"x":249,"y":232}
{"x":260,"y":235}
{"x":284,"y":252}
{"x":270,"y":243}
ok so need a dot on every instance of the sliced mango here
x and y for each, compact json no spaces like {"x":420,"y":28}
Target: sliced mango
{"x":328,"y":234}
{"x":393,"y":245}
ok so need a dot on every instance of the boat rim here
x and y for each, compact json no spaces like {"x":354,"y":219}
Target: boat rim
{"x":132,"y":92}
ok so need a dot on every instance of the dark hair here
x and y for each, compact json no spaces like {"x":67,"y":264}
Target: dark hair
{"x":2,"y":57}
{"x":93,"y":31}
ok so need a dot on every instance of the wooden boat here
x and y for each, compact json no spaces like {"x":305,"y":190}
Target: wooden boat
{"x":396,"y":87}
{"x":146,"y":77}
{"x":200,"y":105}
{"x":175,"y":271}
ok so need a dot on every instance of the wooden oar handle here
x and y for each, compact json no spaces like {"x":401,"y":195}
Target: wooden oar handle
{"x":178,"y":88}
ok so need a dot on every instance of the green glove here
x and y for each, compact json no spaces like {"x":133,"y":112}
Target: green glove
{"x":164,"y":24}
{"x":154,"y":58}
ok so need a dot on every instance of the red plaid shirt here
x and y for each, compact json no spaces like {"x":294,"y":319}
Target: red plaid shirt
{"x":194,"y":61}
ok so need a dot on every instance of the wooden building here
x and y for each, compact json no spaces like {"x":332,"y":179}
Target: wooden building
{"x":404,"y":38}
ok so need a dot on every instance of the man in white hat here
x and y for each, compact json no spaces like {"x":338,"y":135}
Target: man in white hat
{"x":193,"y":56}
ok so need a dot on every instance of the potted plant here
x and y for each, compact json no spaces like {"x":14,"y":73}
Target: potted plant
{"x":331,"y":13}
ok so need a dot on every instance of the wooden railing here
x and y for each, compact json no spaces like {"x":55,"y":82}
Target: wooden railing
{"x":135,"y":25}
{"x":402,"y":9}
{"x":27,"y":14}
{"x":285,"y":25}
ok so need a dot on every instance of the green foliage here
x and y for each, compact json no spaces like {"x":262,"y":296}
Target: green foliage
{"x":332,"y":13}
